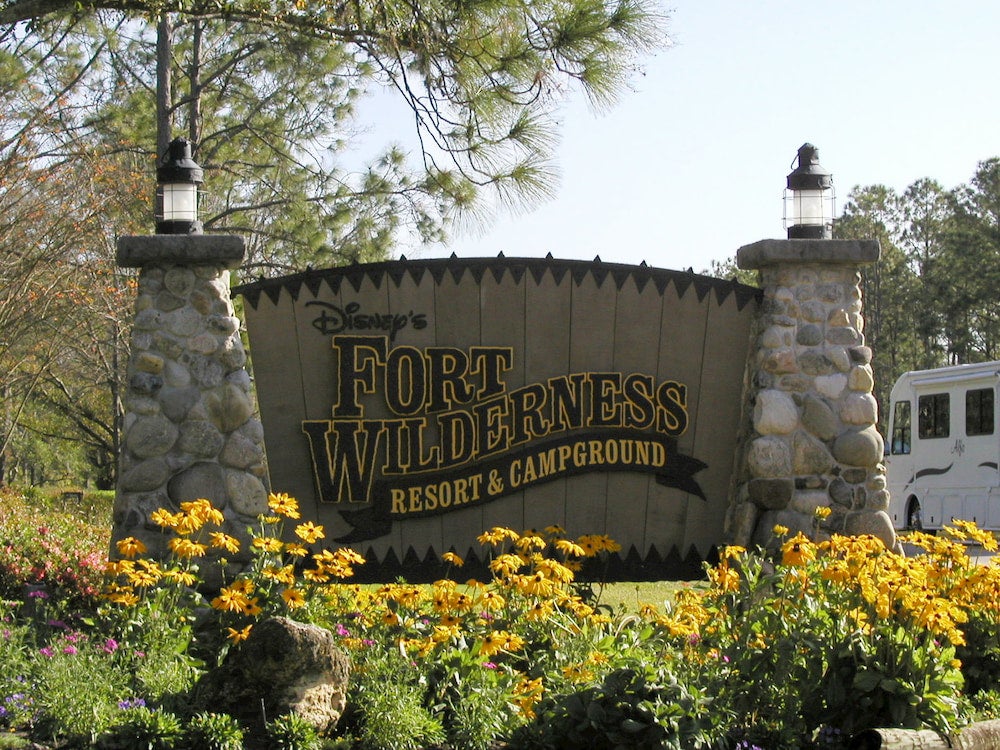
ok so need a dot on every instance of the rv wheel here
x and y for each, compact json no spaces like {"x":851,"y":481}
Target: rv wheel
{"x":913,"y":518}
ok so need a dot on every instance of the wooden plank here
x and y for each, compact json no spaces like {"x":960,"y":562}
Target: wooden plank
{"x":636,"y":350}
{"x":503,"y":323}
{"x":546,"y":355}
{"x":278,"y":377}
{"x":437,"y":302}
{"x":591,"y":342}
{"x":722,"y":370}
{"x":682,"y":338}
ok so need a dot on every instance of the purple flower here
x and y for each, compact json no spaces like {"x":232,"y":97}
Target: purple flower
{"x":367,"y":642}
{"x":110,"y":646}
{"x":69,"y":649}
{"x":489,"y":665}
{"x":38,"y":594}
{"x":58,"y":624}
{"x":46,"y":651}
{"x":131,"y":703}
{"x":342,"y":631}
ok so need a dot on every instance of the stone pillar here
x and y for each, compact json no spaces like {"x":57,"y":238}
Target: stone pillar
{"x":810,"y":436}
{"x":190,"y":428}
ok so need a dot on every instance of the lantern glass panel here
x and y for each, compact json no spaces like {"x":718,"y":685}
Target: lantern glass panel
{"x":178,"y":202}
{"x":809,"y":208}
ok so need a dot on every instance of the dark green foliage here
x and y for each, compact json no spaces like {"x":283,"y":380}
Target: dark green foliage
{"x":143,"y":728}
{"x":633,"y":708}
{"x":209,"y":731}
{"x":292,"y":732}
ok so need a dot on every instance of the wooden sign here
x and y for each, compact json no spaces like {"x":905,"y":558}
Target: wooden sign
{"x":411,"y":405}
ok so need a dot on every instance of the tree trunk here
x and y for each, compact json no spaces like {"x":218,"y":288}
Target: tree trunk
{"x":164,"y":106}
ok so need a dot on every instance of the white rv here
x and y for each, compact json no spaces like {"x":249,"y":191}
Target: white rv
{"x":943,"y":447}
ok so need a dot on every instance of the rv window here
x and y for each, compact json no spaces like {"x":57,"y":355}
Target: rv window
{"x":979,"y":412}
{"x":901,"y":427}
{"x":933,"y":415}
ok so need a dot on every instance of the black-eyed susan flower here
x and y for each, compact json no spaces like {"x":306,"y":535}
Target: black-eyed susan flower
{"x":452,"y":559}
{"x":293,"y":598}
{"x":798,"y":551}
{"x":238,"y":636}
{"x":130,"y":547}
{"x":220,"y":540}
{"x":309,"y":532}
{"x":185,"y":548}
{"x":283,"y":505}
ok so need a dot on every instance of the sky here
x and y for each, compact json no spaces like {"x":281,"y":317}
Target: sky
{"x":691,"y":163}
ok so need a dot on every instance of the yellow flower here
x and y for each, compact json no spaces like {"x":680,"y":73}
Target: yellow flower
{"x":293,"y":598}
{"x":283,"y":505}
{"x":295,"y":549}
{"x":314,"y":575}
{"x":203,"y":511}
{"x":183,"y":577}
{"x":267,"y":543}
{"x":497,"y":535}
{"x":595,"y":543}
{"x":124,"y":597}
{"x":184,"y":547}
{"x":493,"y":643}
{"x":577,"y":673}
{"x":541,"y":610}
{"x":779,"y":530}
{"x":231,"y":599}
{"x":452,"y":559}
{"x":823,"y":511}
{"x":130,"y":547}
{"x":492,"y":600}
{"x":165,"y":519}
{"x":147,"y":574}
{"x":309,"y":532}
{"x":529,"y":542}
{"x":554,"y":570}
{"x":506,"y":565}
{"x":237,"y":636}
{"x":285,"y":574}
{"x":798,"y":551}
{"x":568,"y":547}
{"x":224,"y":541}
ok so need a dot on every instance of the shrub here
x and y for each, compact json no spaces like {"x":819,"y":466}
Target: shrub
{"x":142,"y":728}
{"x":291,"y":732}
{"x":631,"y":708}
{"x":57,"y":554}
{"x":210,"y":731}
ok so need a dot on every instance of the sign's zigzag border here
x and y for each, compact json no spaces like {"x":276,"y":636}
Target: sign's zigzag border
{"x":654,"y":565}
{"x":518,"y":268}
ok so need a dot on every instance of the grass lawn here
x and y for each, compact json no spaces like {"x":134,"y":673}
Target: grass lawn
{"x":631,"y":595}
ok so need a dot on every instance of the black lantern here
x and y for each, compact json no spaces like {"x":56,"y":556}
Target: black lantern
{"x":809,"y":198}
{"x":178,"y":178}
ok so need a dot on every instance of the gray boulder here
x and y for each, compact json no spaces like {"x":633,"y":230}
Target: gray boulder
{"x":283,"y":667}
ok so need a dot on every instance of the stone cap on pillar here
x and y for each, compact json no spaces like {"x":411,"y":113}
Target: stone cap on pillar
{"x":225,"y":250}
{"x":766,"y":253}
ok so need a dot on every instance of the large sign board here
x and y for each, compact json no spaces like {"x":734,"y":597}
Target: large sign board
{"x":411,"y":405}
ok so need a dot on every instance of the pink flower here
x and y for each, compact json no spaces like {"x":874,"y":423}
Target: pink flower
{"x":46,"y":651}
{"x":110,"y":646}
{"x":69,"y":649}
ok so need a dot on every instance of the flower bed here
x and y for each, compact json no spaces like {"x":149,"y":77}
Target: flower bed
{"x":802,"y":647}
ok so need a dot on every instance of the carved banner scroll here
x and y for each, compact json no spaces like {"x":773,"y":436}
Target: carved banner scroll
{"x":411,"y":405}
